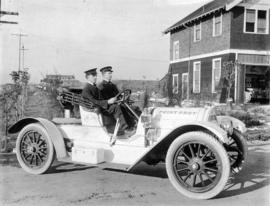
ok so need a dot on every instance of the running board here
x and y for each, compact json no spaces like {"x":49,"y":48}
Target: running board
{"x":104,"y":165}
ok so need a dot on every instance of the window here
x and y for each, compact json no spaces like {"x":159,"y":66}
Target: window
{"x":217,"y":25}
{"x":184,"y":85}
{"x":175,"y":50}
{"x":256,"y":21}
{"x":175,"y":84}
{"x":196,"y":77}
{"x":261,"y":26}
{"x":216,"y":73}
{"x":197,"y":32}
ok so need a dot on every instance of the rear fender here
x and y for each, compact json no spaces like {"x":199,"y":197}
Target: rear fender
{"x":53,"y":132}
{"x":159,"y":150}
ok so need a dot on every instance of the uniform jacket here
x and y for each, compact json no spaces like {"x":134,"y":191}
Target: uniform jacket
{"x":92,"y":93}
{"x":108,"y":89}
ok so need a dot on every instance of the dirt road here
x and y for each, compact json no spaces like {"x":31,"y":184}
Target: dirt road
{"x":70,"y":184}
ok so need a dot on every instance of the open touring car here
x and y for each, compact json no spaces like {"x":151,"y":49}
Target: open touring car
{"x":200,"y":150}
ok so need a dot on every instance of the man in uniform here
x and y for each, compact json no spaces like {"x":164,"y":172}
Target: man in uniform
{"x":109,"y":90}
{"x":92,"y":93}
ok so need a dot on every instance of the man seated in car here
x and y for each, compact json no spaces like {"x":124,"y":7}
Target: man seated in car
{"x":92,"y":93}
{"x":109,"y":90}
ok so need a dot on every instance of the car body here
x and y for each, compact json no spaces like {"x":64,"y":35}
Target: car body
{"x":192,"y":136}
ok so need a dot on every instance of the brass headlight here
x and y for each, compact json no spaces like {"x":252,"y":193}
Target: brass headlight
{"x":227,"y":125}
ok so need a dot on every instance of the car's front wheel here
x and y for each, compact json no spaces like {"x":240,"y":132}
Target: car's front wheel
{"x":34,"y":149}
{"x":197,"y":165}
{"x":237,"y":151}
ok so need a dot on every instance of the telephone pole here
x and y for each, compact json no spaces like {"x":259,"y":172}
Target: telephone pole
{"x":20,"y":35}
{"x":23,"y":49}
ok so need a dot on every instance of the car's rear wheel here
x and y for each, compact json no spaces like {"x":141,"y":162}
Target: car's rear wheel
{"x":34,"y":149}
{"x":197,"y":165}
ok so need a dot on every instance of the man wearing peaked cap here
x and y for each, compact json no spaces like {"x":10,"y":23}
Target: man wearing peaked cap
{"x":92,"y":93}
{"x":109,"y":90}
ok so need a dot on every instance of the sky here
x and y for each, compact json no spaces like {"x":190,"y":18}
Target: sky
{"x":71,"y":36}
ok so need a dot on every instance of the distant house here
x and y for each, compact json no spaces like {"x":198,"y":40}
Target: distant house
{"x":218,"y":32}
{"x":58,"y":79}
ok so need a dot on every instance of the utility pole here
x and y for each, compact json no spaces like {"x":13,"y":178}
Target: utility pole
{"x":20,"y":35}
{"x":23,"y":49}
{"x":2,"y":13}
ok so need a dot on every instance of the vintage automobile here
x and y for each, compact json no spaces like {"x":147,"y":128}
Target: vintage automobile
{"x":200,"y":152}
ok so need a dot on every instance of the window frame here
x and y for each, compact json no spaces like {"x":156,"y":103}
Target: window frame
{"x":174,"y":56}
{"x":194,"y":32}
{"x":199,"y":88}
{"x":177,"y":83}
{"x":187,"y":75}
{"x":256,"y":20}
{"x":213,"y":77}
{"x":214,"y":25}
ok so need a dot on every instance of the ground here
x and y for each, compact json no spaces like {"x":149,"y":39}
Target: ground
{"x":70,"y":184}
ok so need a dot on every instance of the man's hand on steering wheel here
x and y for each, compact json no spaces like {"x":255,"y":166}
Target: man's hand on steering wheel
{"x":123,"y":96}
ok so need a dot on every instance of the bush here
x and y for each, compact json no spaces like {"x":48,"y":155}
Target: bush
{"x":246,"y":117}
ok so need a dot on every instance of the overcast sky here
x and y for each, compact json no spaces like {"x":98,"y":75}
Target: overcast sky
{"x":71,"y":36}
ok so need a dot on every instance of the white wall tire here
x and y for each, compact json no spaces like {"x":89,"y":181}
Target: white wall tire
{"x":197,"y":165}
{"x":34,"y":149}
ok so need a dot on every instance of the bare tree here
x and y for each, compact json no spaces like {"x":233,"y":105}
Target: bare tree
{"x":229,"y":76}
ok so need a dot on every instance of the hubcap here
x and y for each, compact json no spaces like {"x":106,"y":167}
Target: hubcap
{"x":195,"y":166}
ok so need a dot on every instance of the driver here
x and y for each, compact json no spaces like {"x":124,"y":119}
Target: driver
{"x":109,"y":90}
{"x":92,"y":93}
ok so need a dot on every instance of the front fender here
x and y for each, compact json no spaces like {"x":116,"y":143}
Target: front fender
{"x":53,"y":132}
{"x":160,"y":148}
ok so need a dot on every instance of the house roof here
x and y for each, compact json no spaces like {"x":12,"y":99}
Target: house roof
{"x":208,"y":8}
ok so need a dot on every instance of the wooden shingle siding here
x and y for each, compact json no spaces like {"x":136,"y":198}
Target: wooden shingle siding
{"x":208,"y":43}
{"x":241,"y":40}
{"x":206,"y":77}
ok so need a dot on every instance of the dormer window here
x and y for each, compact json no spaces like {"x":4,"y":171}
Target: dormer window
{"x":197,"y":32}
{"x":256,"y":21}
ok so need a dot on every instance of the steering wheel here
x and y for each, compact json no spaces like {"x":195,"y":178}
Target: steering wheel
{"x":123,"y":96}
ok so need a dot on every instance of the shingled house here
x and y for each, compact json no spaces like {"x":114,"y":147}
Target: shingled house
{"x":221,"y":31}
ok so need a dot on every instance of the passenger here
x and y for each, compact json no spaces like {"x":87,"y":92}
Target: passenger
{"x":92,"y":93}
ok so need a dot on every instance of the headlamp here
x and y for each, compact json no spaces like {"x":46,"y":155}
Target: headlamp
{"x":227,"y":125}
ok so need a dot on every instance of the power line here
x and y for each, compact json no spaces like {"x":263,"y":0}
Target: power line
{"x":2,"y":13}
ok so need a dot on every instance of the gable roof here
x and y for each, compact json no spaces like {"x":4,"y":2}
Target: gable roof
{"x":208,"y":8}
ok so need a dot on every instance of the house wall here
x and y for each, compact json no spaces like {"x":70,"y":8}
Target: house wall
{"x":241,"y":40}
{"x":208,"y":43}
{"x":206,"y":78}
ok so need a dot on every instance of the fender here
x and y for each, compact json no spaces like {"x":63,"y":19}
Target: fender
{"x":53,"y":132}
{"x":162,"y":145}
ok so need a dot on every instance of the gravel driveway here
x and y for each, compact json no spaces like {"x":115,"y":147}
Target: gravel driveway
{"x":71,"y":184}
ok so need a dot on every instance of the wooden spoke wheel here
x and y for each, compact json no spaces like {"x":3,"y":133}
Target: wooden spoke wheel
{"x":35,"y":151}
{"x":197,"y":165}
{"x":237,"y":151}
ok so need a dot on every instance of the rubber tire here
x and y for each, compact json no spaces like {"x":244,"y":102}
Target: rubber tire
{"x":51,"y":156}
{"x":211,"y":142}
{"x":242,"y":144}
